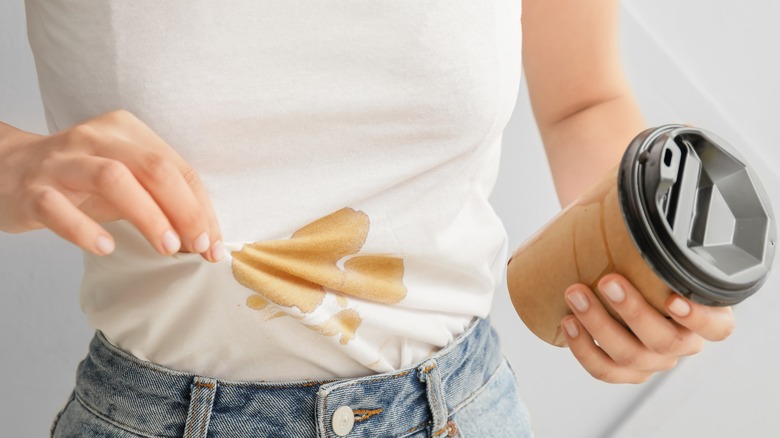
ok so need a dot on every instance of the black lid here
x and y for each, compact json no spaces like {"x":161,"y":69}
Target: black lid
{"x":698,"y":213}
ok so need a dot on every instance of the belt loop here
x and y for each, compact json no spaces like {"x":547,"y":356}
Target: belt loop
{"x":202,"y":392}
{"x":428,"y":372}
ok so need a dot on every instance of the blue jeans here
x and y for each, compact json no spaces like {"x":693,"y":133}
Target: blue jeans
{"x":465,"y":390}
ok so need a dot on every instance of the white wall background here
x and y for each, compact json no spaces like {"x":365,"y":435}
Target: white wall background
{"x":713,"y":63}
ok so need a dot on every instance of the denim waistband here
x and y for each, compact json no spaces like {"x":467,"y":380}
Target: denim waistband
{"x":150,"y":400}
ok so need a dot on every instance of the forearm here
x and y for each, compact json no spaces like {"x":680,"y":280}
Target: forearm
{"x":581,"y":100}
{"x":582,"y":146}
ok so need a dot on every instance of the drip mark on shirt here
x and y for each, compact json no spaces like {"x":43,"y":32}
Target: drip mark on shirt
{"x":300,"y":271}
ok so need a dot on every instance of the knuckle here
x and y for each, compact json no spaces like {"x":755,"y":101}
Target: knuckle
{"x":80,"y":134}
{"x":632,"y":311}
{"x":601,"y":374}
{"x":157,"y":167}
{"x":628,"y":360}
{"x":41,"y":201}
{"x":669,"y":345}
{"x":191,"y":176}
{"x":110,"y":174}
{"x":120,"y":116}
{"x":597,"y":324}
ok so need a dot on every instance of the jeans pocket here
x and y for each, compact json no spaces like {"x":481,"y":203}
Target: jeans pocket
{"x":495,"y":410}
{"x":80,"y":421}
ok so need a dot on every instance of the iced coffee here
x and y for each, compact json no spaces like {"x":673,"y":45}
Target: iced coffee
{"x":682,"y":213}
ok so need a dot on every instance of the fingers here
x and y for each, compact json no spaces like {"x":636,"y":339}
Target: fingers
{"x":598,"y":364}
{"x":648,"y":342}
{"x":115,"y":183}
{"x":214,"y":231}
{"x":172,"y":183}
{"x":652,"y":329}
{"x":110,"y":167}
{"x":162,"y":180}
{"x":217,"y":251}
{"x":712,"y":323}
{"x":623,"y":347}
{"x":54,"y":211}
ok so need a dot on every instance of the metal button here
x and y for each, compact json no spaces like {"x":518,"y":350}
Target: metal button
{"x":343,"y":420}
{"x":452,"y":429}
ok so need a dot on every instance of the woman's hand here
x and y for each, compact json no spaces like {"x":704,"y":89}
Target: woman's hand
{"x":612,"y":353}
{"x":107,"y":168}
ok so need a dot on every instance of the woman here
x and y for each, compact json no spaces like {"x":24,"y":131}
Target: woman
{"x":348,"y":151}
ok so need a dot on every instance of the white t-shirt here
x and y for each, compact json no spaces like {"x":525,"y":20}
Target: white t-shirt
{"x":349,"y":148}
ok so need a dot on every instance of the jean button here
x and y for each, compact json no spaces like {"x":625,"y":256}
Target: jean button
{"x":343,"y":420}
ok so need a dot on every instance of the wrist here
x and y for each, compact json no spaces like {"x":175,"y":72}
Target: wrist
{"x":11,"y":137}
{"x":584,"y":146}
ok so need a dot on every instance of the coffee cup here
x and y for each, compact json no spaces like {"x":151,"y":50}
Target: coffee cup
{"x":681,"y":213}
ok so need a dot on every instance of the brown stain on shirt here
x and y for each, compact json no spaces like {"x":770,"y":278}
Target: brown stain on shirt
{"x":344,"y":323}
{"x":299,"y":271}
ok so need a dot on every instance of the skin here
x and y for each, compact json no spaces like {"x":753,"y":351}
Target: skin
{"x":587,"y":115}
{"x":106,"y":168}
{"x":114,"y":167}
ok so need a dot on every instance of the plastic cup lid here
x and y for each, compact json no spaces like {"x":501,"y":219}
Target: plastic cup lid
{"x":698,"y":213}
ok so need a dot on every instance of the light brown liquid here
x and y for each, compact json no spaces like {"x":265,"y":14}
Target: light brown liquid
{"x":298,"y":272}
{"x":583,"y":243}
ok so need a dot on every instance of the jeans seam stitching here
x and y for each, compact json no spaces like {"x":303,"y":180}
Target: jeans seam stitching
{"x":194,"y":409}
{"x":206,"y":411}
{"x":363,"y":381}
{"x":365,"y":414}
{"x":416,"y":428}
{"x":479,"y":390}
{"x":167,"y":372}
{"x":324,"y":414}
{"x":441,"y":431}
{"x":110,"y":421}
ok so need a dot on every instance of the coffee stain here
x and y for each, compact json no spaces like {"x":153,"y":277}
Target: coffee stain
{"x":259,"y":303}
{"x":300,"y":271}
{"x":344,"y":323}
{"x":275,"y":285}
{"x":256,"y":302}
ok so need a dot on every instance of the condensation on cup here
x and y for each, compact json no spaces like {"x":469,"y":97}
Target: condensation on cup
{"x":682,"y":213}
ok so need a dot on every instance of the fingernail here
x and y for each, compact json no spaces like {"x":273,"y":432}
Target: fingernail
{"x":680,"y":307}
{"x":104,"y":245}
{"x":218,"y":251}
{"x":578,"y":300}
{"x":614,"y":292}
{"x":201,"y":244}
{"x":171,"y":242}
{"x":571,"y":328}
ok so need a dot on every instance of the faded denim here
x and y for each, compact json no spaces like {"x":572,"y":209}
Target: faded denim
{"x":465,"y":390}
